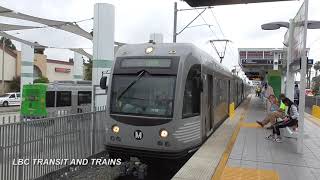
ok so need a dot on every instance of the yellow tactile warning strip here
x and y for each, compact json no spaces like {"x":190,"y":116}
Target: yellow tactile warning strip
{"x":249,"y":125}
{"x":235,"y":173}
{"x":231,"y":111}
{"x":313,"y":119}
{"x":225,"y":156}
{"x":315,"y":111}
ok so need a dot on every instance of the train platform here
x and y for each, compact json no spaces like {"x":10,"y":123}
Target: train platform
{"x":238,"y":150}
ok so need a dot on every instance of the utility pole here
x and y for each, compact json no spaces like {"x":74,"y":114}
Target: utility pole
{"x":175,"y":19}
{"x":3,"y":46}
{"x":175,"y":22}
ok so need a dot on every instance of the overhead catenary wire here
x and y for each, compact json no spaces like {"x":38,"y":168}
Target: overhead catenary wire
{"x":215,"y":34}
{"x":207,"y":24}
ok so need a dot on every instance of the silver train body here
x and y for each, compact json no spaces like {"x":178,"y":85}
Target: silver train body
{"x":68,"y":97}
{"x":165,"y":100}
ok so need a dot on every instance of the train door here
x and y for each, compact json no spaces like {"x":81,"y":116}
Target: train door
{"x":229,"y":96}
{"x":204,"y":104}
{"x":237,"y":92}
{"x":210,"y":119}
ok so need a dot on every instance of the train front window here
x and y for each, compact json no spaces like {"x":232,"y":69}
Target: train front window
{"x":149,"y":95}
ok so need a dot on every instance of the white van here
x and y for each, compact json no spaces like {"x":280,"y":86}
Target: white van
{"x":10,"y":99}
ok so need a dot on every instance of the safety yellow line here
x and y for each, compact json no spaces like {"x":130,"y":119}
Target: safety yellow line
{"x":250,"y":125}
{"x":314,"y":120}
{"x":225,"y":156}
{"x":238,"y":173}
{"x":224,"y":172}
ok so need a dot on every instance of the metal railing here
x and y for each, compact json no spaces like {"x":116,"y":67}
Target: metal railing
{"x":49,"y":140}
{"x":14,"y":116}
{"x":310,"y":101}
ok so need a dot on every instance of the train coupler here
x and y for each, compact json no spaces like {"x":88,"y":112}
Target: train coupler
{"x":133,"y":167}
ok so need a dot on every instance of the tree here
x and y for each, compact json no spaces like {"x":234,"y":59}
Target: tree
{"x":15,"y":84}
{"x":41,"y":79}
{"x":316,"y":67}
{"x":8,"y":43}
{"x":88,"y":70}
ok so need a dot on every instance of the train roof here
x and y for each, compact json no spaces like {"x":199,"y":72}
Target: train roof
{"x":173,"y":49}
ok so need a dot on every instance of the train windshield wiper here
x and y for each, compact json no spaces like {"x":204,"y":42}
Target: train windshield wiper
{"x":132,"y":83}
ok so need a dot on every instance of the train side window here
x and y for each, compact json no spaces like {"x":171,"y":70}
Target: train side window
{"x":84,"y":97}
{"x":50,"y":99}
{"x":63,"y":98}
{"x":191,"y":99}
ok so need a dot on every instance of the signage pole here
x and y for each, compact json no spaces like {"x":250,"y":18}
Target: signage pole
{"x":303,"y":82}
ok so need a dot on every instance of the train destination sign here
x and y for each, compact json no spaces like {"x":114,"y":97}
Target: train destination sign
{"x":134,"y":63}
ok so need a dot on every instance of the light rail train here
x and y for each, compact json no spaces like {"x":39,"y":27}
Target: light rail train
{"x":166,"y":100}
{"x":56,"y":99}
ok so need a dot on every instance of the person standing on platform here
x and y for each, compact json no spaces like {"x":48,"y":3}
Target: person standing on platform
{"x":296,"y":94}
{"x":268,"y":92}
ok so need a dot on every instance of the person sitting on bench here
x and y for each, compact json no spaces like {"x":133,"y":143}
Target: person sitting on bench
{"x":272,"y":116}
{"x":288,"y":121}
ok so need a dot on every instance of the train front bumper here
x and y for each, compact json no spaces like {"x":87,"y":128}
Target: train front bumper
{"x":142,"y":153}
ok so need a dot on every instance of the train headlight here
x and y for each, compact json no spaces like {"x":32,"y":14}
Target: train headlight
{"x":115,"y":129}
{"x":164,"y":133}
{"x":149,"y":50}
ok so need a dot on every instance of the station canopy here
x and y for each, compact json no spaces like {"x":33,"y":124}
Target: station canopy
{"x":197,"y":3}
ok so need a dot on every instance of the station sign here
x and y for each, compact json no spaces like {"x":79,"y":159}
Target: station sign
{"x":258,"y":62}
{"x":310,"y":61}
{"x":296,"y":65}
{"x":62,"y":70}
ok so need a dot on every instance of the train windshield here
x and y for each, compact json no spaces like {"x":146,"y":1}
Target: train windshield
{"x":149,"y":95}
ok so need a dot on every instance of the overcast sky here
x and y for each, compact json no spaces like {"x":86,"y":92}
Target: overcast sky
{"x":136,"y":19}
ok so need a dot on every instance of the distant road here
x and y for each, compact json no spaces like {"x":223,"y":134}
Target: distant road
{"x":9,"y":114}
{"x":9,"y":109}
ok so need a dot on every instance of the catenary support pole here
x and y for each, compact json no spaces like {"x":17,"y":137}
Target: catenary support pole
{"x":77,"y":67}
{"x":175,"y":18}
{"x":103,"y":45}
{"x":103,"y":56}
{"x":27,"y":56}
{"x":2,"y":67}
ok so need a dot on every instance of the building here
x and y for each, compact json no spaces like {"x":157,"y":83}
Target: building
{"x":267,"y":65}
{"x":9,"y":67}
{"x":54,"y":70}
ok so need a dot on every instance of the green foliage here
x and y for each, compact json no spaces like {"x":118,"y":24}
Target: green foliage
{"x":15,"y":84}
{"x":316,"y":67}
{"x":41,"y":79}
{"x":88,"y":70}
{"x":316,"y":84}
{"x":8,"y":43}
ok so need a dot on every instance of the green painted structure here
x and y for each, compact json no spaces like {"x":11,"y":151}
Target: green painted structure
{"x":274,"y":80}
{"x":34,"y":101}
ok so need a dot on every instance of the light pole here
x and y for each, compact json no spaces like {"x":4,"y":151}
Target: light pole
{"x":290,"y":25}
{"x":300,"y":57}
